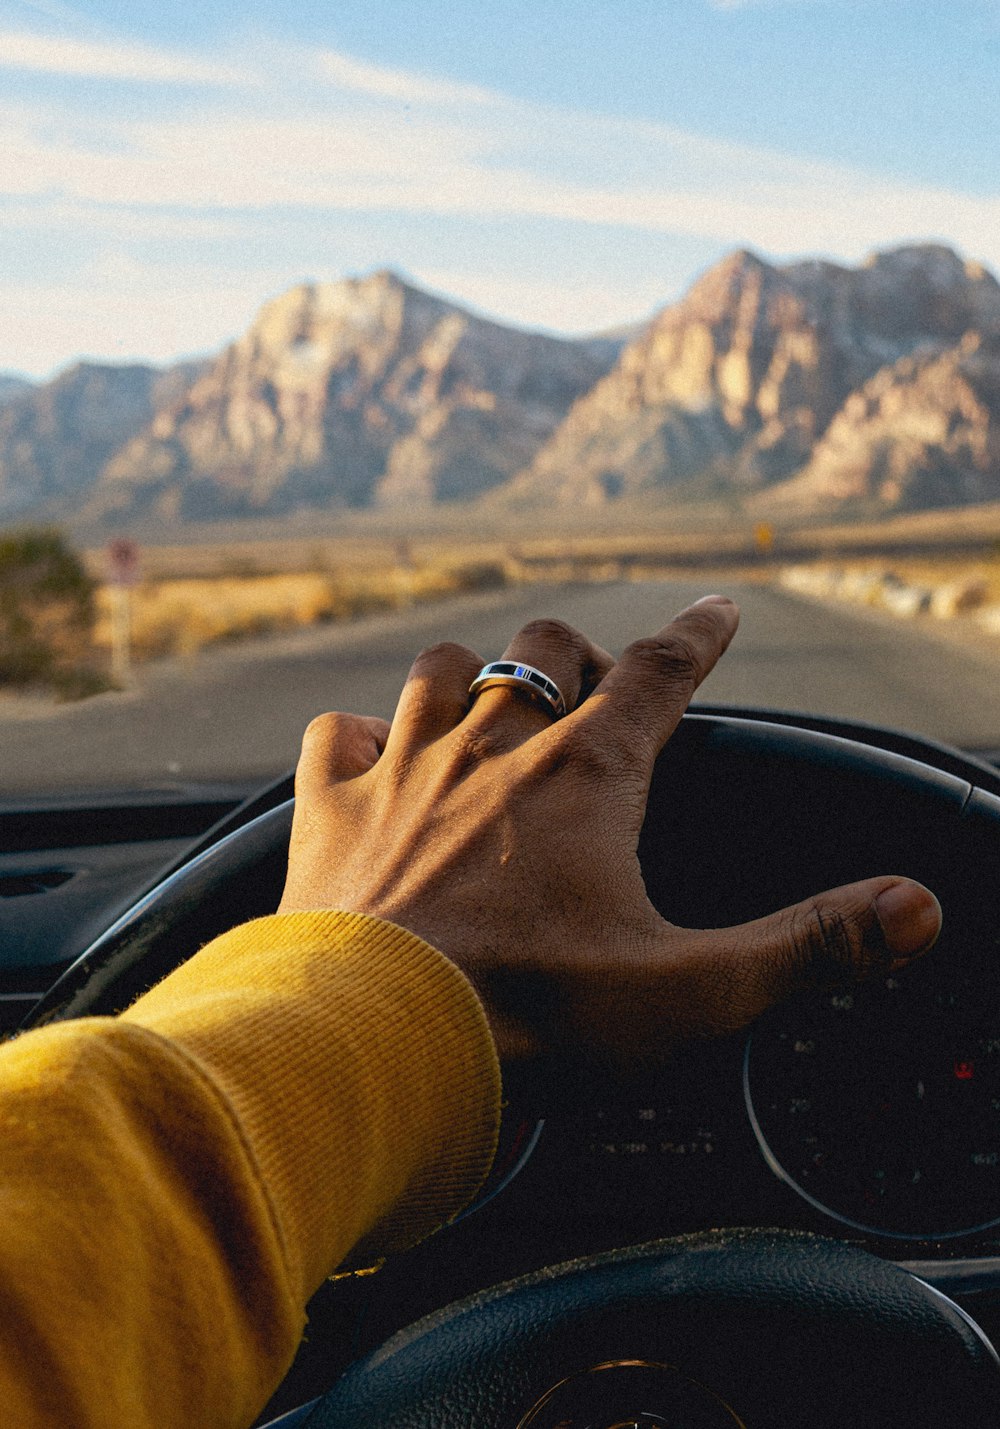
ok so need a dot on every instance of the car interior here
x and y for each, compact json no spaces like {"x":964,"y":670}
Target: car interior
{"x":606,"y":300}
{"x":864,"y":1115}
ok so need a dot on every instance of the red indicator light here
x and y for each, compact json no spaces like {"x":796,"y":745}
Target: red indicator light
{"x":964,"y":1071}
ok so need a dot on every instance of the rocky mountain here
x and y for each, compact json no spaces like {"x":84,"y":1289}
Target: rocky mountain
{"x":807,"y":385}
{"x":738,"y":382}
{"x":55,"y":438}
{"x":923,"y":432}
{"x":364,"y":392}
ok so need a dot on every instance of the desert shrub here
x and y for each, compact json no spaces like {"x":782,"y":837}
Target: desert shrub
{"x":46,"y":614}
{"x":481,"y":575}
{"x":431,"y":582}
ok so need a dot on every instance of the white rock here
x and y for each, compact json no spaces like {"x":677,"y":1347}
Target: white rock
{"x":906,"y":601}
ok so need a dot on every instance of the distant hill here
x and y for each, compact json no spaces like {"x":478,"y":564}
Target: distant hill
{"x":56,"y":437}
{"x":12,"y":385}
{"x":736,"y":384}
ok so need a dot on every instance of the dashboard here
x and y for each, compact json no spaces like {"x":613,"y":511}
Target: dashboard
{"x":871,"y":1113}
{"x":880,"y":1105}
{"x":868,"y":1112}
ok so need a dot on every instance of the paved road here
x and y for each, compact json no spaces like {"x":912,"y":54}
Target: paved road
{"x":237,"y":713}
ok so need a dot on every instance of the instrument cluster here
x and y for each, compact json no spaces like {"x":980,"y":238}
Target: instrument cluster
{"x":870,"y":1111}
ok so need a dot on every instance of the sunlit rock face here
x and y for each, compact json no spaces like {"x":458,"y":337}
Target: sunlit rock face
{"x":358,"y":393}
{"x":736,"y":384}
{"x":55,"y":438}
{"x":810,"y":383}
{"x":924,"y":432}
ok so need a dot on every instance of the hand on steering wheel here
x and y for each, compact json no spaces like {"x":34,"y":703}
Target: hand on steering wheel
{"x":508,"y":841}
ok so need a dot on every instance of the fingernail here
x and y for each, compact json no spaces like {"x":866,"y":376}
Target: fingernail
{"x":729,"y":611}
{"x":910,"y":918}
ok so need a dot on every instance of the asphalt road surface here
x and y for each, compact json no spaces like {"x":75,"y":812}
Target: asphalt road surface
{"x":236,"y":714}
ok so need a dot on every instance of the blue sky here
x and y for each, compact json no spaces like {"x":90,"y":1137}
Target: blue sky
{"x":562,"y":164}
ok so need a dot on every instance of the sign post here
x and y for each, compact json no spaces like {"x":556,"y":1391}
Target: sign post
{"x":405,"y":571}
{"x":123,"y":576}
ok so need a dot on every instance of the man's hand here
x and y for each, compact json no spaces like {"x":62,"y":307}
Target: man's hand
{"x":509,"y":843}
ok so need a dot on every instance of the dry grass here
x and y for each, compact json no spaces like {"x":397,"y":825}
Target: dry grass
{"x":247,"y":583}
{"x":179,"y":616}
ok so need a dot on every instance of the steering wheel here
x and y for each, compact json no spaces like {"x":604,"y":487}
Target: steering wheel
{"x":767,"y":1328}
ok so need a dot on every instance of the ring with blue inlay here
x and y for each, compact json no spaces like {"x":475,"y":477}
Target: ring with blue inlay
{"x":526,"y":678}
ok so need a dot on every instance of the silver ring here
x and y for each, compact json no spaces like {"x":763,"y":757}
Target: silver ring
{"x":521,"y":677}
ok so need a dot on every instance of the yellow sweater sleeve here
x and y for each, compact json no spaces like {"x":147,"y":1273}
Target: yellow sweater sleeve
{"x":175,"y":1182}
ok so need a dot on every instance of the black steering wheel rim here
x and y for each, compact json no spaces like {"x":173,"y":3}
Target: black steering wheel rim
{"x":726,"y":793}
{"x":761,"y":1328}
{"x":719,"y":777}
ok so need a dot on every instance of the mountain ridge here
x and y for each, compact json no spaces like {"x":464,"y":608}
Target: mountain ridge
{"x":56,"y":437}
{"x":777,"y":383}
{"x":12,"y":384}
{"x":364,"y":392}
{"x":744,"y":374}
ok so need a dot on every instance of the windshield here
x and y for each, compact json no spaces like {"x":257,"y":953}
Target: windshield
{"x":329,"y":332}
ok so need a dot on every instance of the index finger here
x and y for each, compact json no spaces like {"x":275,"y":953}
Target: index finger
{"x":638,"y":705}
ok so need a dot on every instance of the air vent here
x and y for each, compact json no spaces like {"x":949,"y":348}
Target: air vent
{"x":36,"y":880}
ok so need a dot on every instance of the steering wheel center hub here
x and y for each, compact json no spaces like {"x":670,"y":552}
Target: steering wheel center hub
{"x":629,"y":1394}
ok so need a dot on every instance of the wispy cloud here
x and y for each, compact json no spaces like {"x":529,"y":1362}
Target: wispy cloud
{"x":324,"y":138}
{"x":125,"y":312}
{"x":52,"y":10}
{"x":52,"y":55}
{"x":585,"y":306}
{"x":487,"y":157}
{"x":377,"y":82}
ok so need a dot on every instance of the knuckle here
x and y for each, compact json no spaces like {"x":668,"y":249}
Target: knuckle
{"x":833,"y":944}
{"x":547,"y":630}
{"x":441,"y":655}
{"x":577,"y":748}
{"x":321,"y":738}
{"x":421,"y":695}
{"x":323,"y":730}
{"x":474,"y":745}
{"x":671,"y":658}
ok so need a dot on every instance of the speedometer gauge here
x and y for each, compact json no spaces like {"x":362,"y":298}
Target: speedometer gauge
{"x":880,"y":1104}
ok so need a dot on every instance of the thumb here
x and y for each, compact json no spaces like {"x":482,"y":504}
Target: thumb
{"x":850,"y":932}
